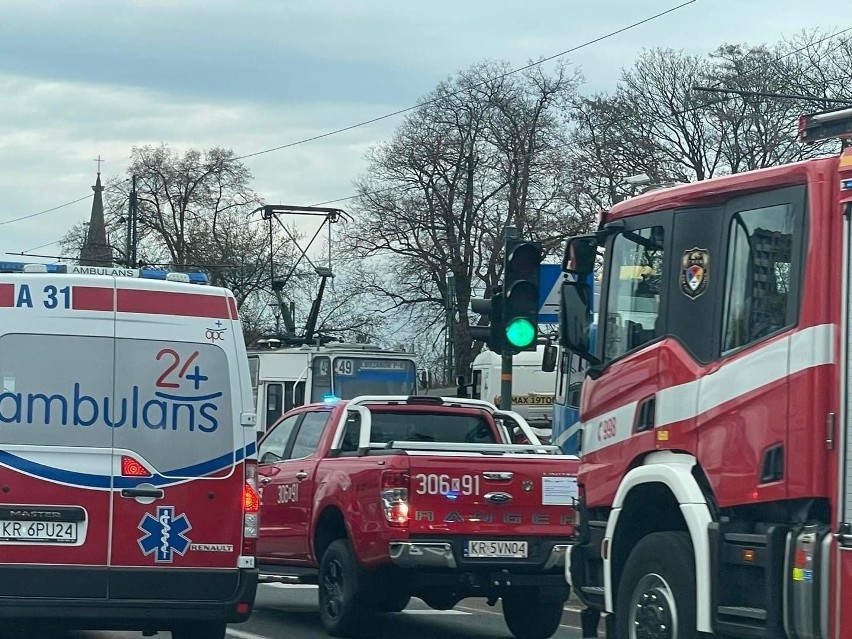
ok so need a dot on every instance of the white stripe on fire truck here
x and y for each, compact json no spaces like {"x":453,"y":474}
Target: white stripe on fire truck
{"x":804,"y":349}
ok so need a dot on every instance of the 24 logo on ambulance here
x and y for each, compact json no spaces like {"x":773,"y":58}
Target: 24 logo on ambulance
{"x":180,"y":400}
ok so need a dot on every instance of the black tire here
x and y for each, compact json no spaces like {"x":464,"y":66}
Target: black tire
{"x":200,"y":630}
{"x":394,"y":601}
{"x":440,"y":599}
{"x":344,"y":597}
{"x":534,"y":612}
{"x":657,"y":591}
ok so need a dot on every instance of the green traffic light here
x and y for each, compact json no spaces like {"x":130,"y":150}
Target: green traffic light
{"x":520,"y":332}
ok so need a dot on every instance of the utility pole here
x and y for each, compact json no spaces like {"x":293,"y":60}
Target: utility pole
{"x":450,"y":350}
{"x":509,"y":233}
{"x":132,"y":212}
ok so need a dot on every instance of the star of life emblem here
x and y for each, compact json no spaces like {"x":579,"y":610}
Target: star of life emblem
{"x":165,"y":534}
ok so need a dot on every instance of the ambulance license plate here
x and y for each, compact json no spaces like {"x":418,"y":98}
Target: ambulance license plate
{"x":496,"y":549}
{"x":56,"y":532}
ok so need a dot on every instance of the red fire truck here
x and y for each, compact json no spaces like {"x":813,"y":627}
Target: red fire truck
{"x":716,"y":468}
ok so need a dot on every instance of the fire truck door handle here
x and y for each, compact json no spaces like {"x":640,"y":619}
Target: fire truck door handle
{"x":829,"y":431}
{"x":265,"y":480}
{"x":156,"y":493}
{"x":301,"y":475}
{"x":646,"y":415}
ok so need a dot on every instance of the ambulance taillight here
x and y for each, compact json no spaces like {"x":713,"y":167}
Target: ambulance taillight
{"x":251,"y":509}
{"x":131,"y":467}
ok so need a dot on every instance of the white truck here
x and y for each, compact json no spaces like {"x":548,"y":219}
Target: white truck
{"x":532,"y":388}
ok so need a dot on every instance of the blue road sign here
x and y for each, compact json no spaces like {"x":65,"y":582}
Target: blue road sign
{"x":550,"y":279}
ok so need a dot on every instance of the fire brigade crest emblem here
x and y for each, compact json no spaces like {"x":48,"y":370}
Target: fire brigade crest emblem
{"x":694,"y":272}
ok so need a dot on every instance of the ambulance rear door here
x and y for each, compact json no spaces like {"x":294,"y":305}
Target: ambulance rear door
{"x":178,"y":514}
{"x":56,"y":366}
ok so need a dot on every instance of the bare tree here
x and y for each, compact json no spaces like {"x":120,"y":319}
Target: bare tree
{"x":472,"y":159}
{"x":662,"y":111}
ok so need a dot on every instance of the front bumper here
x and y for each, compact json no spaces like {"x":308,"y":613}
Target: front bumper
{"x":440,"y":555}
{"x":138,"y":598}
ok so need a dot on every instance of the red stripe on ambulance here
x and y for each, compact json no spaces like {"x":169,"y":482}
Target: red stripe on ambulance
{"x":164,"y":303}
{"x":7,"y":295}
{"x":93,"y":298}
{"x":232,"y":304}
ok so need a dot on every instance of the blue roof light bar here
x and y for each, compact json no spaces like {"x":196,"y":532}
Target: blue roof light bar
{"x":145,"y":273}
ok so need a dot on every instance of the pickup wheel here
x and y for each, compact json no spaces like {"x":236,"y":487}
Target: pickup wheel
{"x":343,"y":591}
{"x":394,"y":601}
{"x":656,"y":593}
{"x":533,"y":612}
{"x":440,"y":599}
{"x":199,"y":630}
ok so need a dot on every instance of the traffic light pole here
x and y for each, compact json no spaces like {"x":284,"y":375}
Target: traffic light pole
{"x":509,"y":233}
{"x":506,"y":381}
{"x":512,"y":308}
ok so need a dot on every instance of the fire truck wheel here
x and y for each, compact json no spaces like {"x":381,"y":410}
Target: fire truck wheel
{"x":656,"y":594}
{"x":533,"y":613}
{"x":343,"y":597}
{"x":199,"y":630}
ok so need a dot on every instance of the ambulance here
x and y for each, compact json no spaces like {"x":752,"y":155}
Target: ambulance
{"x":128,"y":495}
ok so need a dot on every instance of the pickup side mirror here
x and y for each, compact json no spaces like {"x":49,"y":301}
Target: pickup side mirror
{"x":461,"y":391}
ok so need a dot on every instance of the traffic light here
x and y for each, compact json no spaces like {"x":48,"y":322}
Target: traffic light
{"x":521,"y":284}
{"x":493,"y":334}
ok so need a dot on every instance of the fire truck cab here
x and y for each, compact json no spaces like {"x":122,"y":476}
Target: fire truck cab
{"x":716,"y":468}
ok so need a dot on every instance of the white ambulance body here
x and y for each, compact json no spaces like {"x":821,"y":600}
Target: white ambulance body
{"x":127,"y":452}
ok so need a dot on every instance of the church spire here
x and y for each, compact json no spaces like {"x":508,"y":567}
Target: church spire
{"x":96,"y":251}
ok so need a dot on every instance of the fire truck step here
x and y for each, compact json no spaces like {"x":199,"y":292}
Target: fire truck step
{"x":594,"y":590}
{"x":747,"y":578}
{"x":738,"y":611}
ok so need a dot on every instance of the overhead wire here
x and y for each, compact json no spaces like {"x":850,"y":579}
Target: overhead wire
{"x":55,"y":208}
{"x":416,"y":106}
{"x":498,"y":77}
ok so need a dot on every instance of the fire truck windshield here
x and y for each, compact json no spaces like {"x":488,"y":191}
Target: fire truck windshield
{"x":354,"y":376}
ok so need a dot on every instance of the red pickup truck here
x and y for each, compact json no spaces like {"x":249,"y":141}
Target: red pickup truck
{"x":379,"y":499}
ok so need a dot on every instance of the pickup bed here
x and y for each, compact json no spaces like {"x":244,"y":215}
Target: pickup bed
{"x":379,"y":499}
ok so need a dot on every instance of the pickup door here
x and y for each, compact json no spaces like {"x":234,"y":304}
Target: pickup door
{"x":288,"y":458}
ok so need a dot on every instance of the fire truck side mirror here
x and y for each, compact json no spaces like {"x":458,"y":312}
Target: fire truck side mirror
{"x":580,"y":254}
{"x":575,"y":324}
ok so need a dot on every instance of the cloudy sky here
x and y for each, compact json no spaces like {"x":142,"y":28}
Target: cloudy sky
{"x":82,"y":78}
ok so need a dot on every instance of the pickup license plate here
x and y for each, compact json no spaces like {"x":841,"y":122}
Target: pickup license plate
{"x":55,"y":532}
{"x":496,"y":549}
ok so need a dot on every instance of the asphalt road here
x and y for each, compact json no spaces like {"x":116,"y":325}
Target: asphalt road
{"x":291,"y":611}
{"x":284,"y":610}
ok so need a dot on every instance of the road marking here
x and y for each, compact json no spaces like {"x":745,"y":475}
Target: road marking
{"x":434,"y":612}
{"x":494,"y":612}
{"x":292,"y":586}
{"x":242,"y":634}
